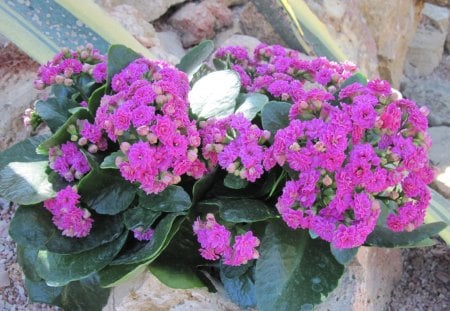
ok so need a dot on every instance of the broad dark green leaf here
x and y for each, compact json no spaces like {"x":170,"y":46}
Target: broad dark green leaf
{"x":250,"y":104}
{"x":234,"y":182}
{"x":383,"y":237}
{"x":357,"y":77}
{"x":25,"y":182}
{"x":275,"y":116}
{"x":176,"y":274}
{"x":82,"y":295}
{"x":245,"y":210}
{"x":241,"y":289}
{"x":54,"y":112}
{"x":119,"y":57}
{"x":173,"y":267}
{"x":150,"y":250}
{"x":293,"y":270}
{"x":195,"y":57}
{"x":345,"y":255}
{"x":110,"y":160}
{"x":236,"y":271}
{"x":214,"y":95}
{"x":62,"y":135}
{"x":112,"y":276}
{"x":32,"y":226}
{"x":94,"y":100}
{"x":26,"y":257}
{"x":172,"y":199}
{"x":59,"y":270}
{"x":24,"y":151}
{"x":140,"y":217}
{"x":201,"y":186}
{"x":106,"y":192}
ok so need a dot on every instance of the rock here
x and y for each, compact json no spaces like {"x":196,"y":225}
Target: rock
{"x":17,"y":72}
{"x":439,"y":158}
{"x":150,"y":10}
{"x":229,"y":3}
{"x":426,"y":49}
{"x":198,"y":21}
{"x":439,"y":2}
{"x":250,"y":43}
{"x":367,"y":282}
{"x":134,"y":22}
{"x":392,"y":31}
{"x":255,"y":24}
{"x":347,"y":27}
{"x":434,"y":93}
{"x":4,"y":279}
{"x":170,"y":42}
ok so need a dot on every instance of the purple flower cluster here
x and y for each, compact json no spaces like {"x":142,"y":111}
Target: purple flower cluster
{"x":235,"y":144}
{"x":350,"y":146}
{"x":68,"y":161}
{"x":215,"y":241}
{"x":68,"y":64}
{"x":67,"y":216}
{"x":143,"y":235}
{"x":148,"y":114}
{"x":281,"y":73}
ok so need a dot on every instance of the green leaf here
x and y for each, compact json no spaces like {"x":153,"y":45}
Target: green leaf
{"x":439,"y":210}
{"x":32,"y":226}
{"x":195,"y":57}
{"x":110,"y":161}
{"x":236,"y":271}
{"x":62,"y":135}
{"x":24,"y":151}
{"x":173,"y":267}
{"x":356,"y":78}
{"x":140,"y":217}
{"x":58,"y":269}
{"x":383,"y":237}
{"x":201,"y":186}
{"x":55,"y":112}
{"x":234,"y":182}
{"x":26,"y":257}
{"x":250,"y":104}
{"x":293,"y":270}
{"x":106,"y":192}
{"x":172,"y":199}
{"x":275,"y":116}
{"x":176,"y":274}
{"x":245,"y":210}
{"x":150,"y":250}
{"x":344,"y":255}
{"x":214,"y":95}
{"x":241,"y":289}
{"x":25,"y":183}
{"x":85,"y":294}
{"x":112,"y":276}
{"x":119,"y":56}
{"x":95,"y":98}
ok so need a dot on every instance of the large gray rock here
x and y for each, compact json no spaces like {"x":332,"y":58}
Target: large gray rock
{"x":366,"y":285}
{"x":250,"y":43}
{"x":433,"y":92}
{"x":255,"y":24}
{"x":439,"y":157}
{"x":151,"y":10}
{"x":426,"y":49}
{"x":133,"y":21}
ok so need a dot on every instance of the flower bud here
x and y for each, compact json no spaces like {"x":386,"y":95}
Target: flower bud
{"x":59,"y":79}
{"x":327,"y":181}
{"x":82,"y":141}
{"x":125,"y":147}
{"x":78,"y":175}
{"x":294,"y":147}
{"x":192,"y":155}
{"x":68,"y":82}
{"x":73,"y":137}
{"x":152,"y":138}
{"x":118,"y":160}
{"x":38,"y":85}
{"x":143,"y":130}
{"x":93,"y":148}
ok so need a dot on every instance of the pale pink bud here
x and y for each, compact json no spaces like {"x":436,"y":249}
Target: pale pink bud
{"x":152,"y":138}
{"x":93,"y":148}
{"x":78,"y":175}
{"x":118,"y":160}
{"x":38,"y":85}
{"x":143,"y":130}
{"x":424,"y":110}
{"x":294,"y":147}
{"x":192,"y":155}
{"x":68,"y":82}
{"x":82,"y":141}
{"x":59,"y":79}
{"x":125,"y":147}
{"x":327,"y":181}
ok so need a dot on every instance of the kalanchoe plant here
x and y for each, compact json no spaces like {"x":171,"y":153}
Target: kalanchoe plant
{"x":266,"y":171}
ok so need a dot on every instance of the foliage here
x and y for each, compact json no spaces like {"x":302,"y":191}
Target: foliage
{"x":148,"y":169}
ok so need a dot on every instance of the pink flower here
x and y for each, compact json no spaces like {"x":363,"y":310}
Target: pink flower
{"x":244,"y":249}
